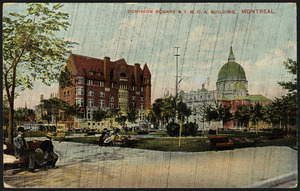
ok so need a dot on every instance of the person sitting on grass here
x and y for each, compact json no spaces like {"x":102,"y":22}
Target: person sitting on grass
{"x":22,"y":152}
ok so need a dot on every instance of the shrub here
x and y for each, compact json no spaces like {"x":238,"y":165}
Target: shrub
{"x":189,"y":129}
{"x":173,"y":129}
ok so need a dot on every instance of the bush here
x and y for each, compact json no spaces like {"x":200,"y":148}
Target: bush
{"x":189,"y":129}
{"x":173,"y":129}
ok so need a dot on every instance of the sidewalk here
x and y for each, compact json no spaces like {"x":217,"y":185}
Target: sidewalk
{"x":91,"y":166}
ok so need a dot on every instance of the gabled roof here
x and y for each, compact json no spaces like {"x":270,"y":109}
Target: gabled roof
{"x":146,"y":72}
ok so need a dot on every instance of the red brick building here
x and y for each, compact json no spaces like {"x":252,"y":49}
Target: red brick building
{"x":106,"y":84}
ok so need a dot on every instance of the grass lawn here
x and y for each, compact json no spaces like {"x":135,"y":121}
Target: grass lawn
{"x":188,"y":144}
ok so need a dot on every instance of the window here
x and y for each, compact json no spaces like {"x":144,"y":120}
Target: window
{"x":123,"y":87}
{"x":91,"y":92}
{"x":101,"y":103}
{"x":90,"y":103}
{"x":111,"y":105}
{"x":133,"y":97}
{"x":101,"y":84}
{"x":123,"y":105}
{"x":89,"y":116}
{"x":79,"y":80}
{"x":90,"y":82}
{"x":133,"y":105}
{"x":236,"y":103}
{"x":112,"y":98}
{"x":123,"y":95}
{"x":142,"y":98}
{"x":79,"y":102}
{"x":102,"y":94}
{"x":123,"y":75}
{"x":92,"y":72}
{"x":79,"y":90}
{"x":142,"y":88}
{"x":142,"y":106}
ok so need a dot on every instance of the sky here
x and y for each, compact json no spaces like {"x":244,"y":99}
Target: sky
{"x":260,"y":42}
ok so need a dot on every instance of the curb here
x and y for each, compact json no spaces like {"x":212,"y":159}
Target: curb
{"x":275,"y":181}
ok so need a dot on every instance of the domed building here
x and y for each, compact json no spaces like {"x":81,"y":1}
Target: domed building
{"x":232,"y":81}
{"x":232,"y":89}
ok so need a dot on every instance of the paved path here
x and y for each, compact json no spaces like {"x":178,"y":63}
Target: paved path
{"x":91,"y":166}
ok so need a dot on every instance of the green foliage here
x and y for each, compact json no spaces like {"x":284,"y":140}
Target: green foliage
{"x":168,"y":109}
{"x":242,"y":114}
{"x":189,"y":129}
{"x":65,"y":78}
{"x":31,"y":50}
{"x":21,"y":114}
{"x":173,"y":129}
{"x":99,"y":115}
{"x":132,"y":115}
{"x":291,"y":66}
{"x":121,"y":120}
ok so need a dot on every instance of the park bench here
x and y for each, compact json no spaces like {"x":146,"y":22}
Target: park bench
{"x":220,"y":143}
{"x":32,"y":146}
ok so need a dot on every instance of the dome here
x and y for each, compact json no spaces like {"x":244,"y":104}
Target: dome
{"x":232,"y":71}
{"x":239,"y":86}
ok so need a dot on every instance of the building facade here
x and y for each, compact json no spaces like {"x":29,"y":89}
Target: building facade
{"x":231,"y":89}
{"x":106,"y":84}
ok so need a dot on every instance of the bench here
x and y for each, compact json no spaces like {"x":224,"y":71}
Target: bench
{"x":32,"y":146}
{"x":220,"y":142}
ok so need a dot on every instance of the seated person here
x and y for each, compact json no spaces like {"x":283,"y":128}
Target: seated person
{"x":47,"y":148}
{"x":22,"y":152}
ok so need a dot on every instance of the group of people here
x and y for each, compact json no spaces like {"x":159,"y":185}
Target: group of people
{"x":45,"y":149}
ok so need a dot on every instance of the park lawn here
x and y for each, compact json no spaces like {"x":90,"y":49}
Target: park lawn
{"x":188,"y":144}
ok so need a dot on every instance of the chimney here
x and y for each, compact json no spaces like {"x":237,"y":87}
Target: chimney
{"x":136,"y":73}
{"x":106,"y":70}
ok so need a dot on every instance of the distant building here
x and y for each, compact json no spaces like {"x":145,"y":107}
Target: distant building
{"x":232,"y":89}
{"x":106,"y":84}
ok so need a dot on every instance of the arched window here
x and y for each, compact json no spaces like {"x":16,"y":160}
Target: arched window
{"x":102,"y":94}
{"x":91,"y":92}
{"x":112,"y":98}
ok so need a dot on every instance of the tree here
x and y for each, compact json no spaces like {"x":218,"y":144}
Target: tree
{"x":289,"y":102}
{"x":269,"y":114}
{"x":156,"y":111}
{"x":226,"y":114}
{"x":132,"y":115}
{"x":291,"y":66}
{"x":99,"y":115}
{"x":121,"y":120}
{"x":31,"y":50}
{"x":256,"y":114}
{"x":21,"y":114}
{"x":242,"y":115}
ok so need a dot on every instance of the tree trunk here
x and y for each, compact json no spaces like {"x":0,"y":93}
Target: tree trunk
{"x":11,"y":123}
